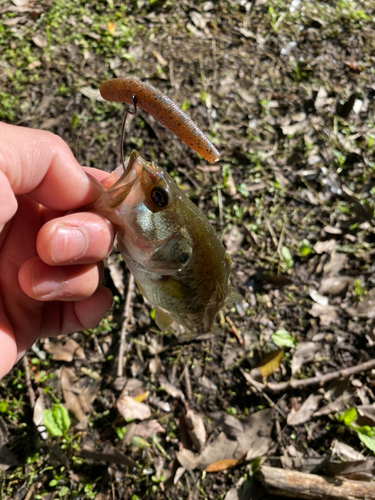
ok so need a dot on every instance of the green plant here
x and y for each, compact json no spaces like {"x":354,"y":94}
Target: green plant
{"x":365,"y":433}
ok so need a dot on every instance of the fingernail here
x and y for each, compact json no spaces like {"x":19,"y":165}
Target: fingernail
{"x":47,"y":280}
{"x":67,"y":244}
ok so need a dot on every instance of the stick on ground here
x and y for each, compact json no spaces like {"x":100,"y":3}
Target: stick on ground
{"x":294,"y":484}
{"x":128,"y":310}
{"x":319,"y":380}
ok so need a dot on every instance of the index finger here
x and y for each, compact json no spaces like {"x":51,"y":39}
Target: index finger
{"x":41,"y":164}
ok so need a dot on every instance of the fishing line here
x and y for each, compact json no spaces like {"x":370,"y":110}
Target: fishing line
{"x":122,"y":135}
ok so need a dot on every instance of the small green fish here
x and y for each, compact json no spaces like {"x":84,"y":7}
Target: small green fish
{"x":178,"y":262}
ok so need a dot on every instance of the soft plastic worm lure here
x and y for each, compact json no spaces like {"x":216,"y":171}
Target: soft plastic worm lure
{"x":163,"y":109}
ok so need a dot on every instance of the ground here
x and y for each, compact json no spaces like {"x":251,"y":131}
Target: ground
{"x":286,"y":93}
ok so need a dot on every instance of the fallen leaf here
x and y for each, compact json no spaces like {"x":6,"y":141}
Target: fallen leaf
{"x":198,"y":19}
{"x":117,"y":273}
{"x":196,"y":429}
{"x":326,"y":314}
{"x":324,"y":246}
{"x":233,"y":240}
{"x":335,"y":264}
{"x":111,"y":27}
{"x":346,"y":452}
{"x":321,"y":98}
{"x":219,"y":449}
{"x":91,"y":93}
{"x":222,"y":465}
{"x":318,"y":298}
{"x":231,"y":425}
{"x":335,"y":285}
{"x":304,"y":353}
{"x":40,"y":41}
{"x":147,"y":429}
{"x":178,"y":475}
{"x":72,"y":402}
{"x":256,"y":440}
{"x":141,"y":397}
{"x":155,"y":365}
{"x":365,"y":308}
{"x":20,"y":3}
{"x":305,"y":411}
{"x":246,"y":96}
{"x":271,"y":363}
{"x":367,"y":411}
{"x":131,"y":409}
{"x":171,"y":389}
{"x":65,"y":350}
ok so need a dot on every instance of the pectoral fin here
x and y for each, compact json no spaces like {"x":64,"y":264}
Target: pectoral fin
{"x":163,"y":319}
{"x":170,"y":257}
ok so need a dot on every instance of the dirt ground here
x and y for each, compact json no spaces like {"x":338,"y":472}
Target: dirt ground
{"x":286,"y":93}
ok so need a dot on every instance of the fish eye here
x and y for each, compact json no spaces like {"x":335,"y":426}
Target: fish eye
{"x":159,"y":197}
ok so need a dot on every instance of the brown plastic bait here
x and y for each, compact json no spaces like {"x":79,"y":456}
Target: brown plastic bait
{"x":163,"y":109}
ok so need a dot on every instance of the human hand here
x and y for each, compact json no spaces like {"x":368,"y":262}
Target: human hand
{"x":50,"y":260}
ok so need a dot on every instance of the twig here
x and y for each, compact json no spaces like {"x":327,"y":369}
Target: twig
{"x":189,"y":392}
{"x":260,"y":389}
{"x":30,"y":390}
{"x":220,"y":203}
{"x":234,"y":330}
{"x":30,"y":493}
{"x":128,"y":310}
{"x":293,"y":484}
{"x":318,"y":380}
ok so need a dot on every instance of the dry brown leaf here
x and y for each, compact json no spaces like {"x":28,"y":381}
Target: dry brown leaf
{"x":195,"y":427}
{"x":256,"y":440}
{"x":65,"y":350}
{"x":38,"y":411}
{"x":222,"y":465}
{"x":335,"y":264}
{"x":40,"y":41}
{"x":233,"y":240}
{"x":326,"y":314}
{"x":147,"y":428}
{"x":344,"y":451}
{"x":131,"y":409}
{"x":324,"y":246}
{"x":335,"y":285}
{"x":367,"y":411}
{"x":170,"y":388}
{"x":91,"y":93}
{"x":304,"y":353}
{"x":72,"y":401}
{"x":198,"y":19}
{"x":117,"y":273}
{"x":305,"y":411}
{"x":365,"y":308}
{"x":231,"y":425}
{"x":155,"y":365}
{"x":219,"y":449}
{"x":271,"y":363}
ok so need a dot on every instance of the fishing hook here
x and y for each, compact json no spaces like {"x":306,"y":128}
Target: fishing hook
{"x":122,"y":134}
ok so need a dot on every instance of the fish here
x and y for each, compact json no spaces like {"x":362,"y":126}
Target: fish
{"x":173,"y":252}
